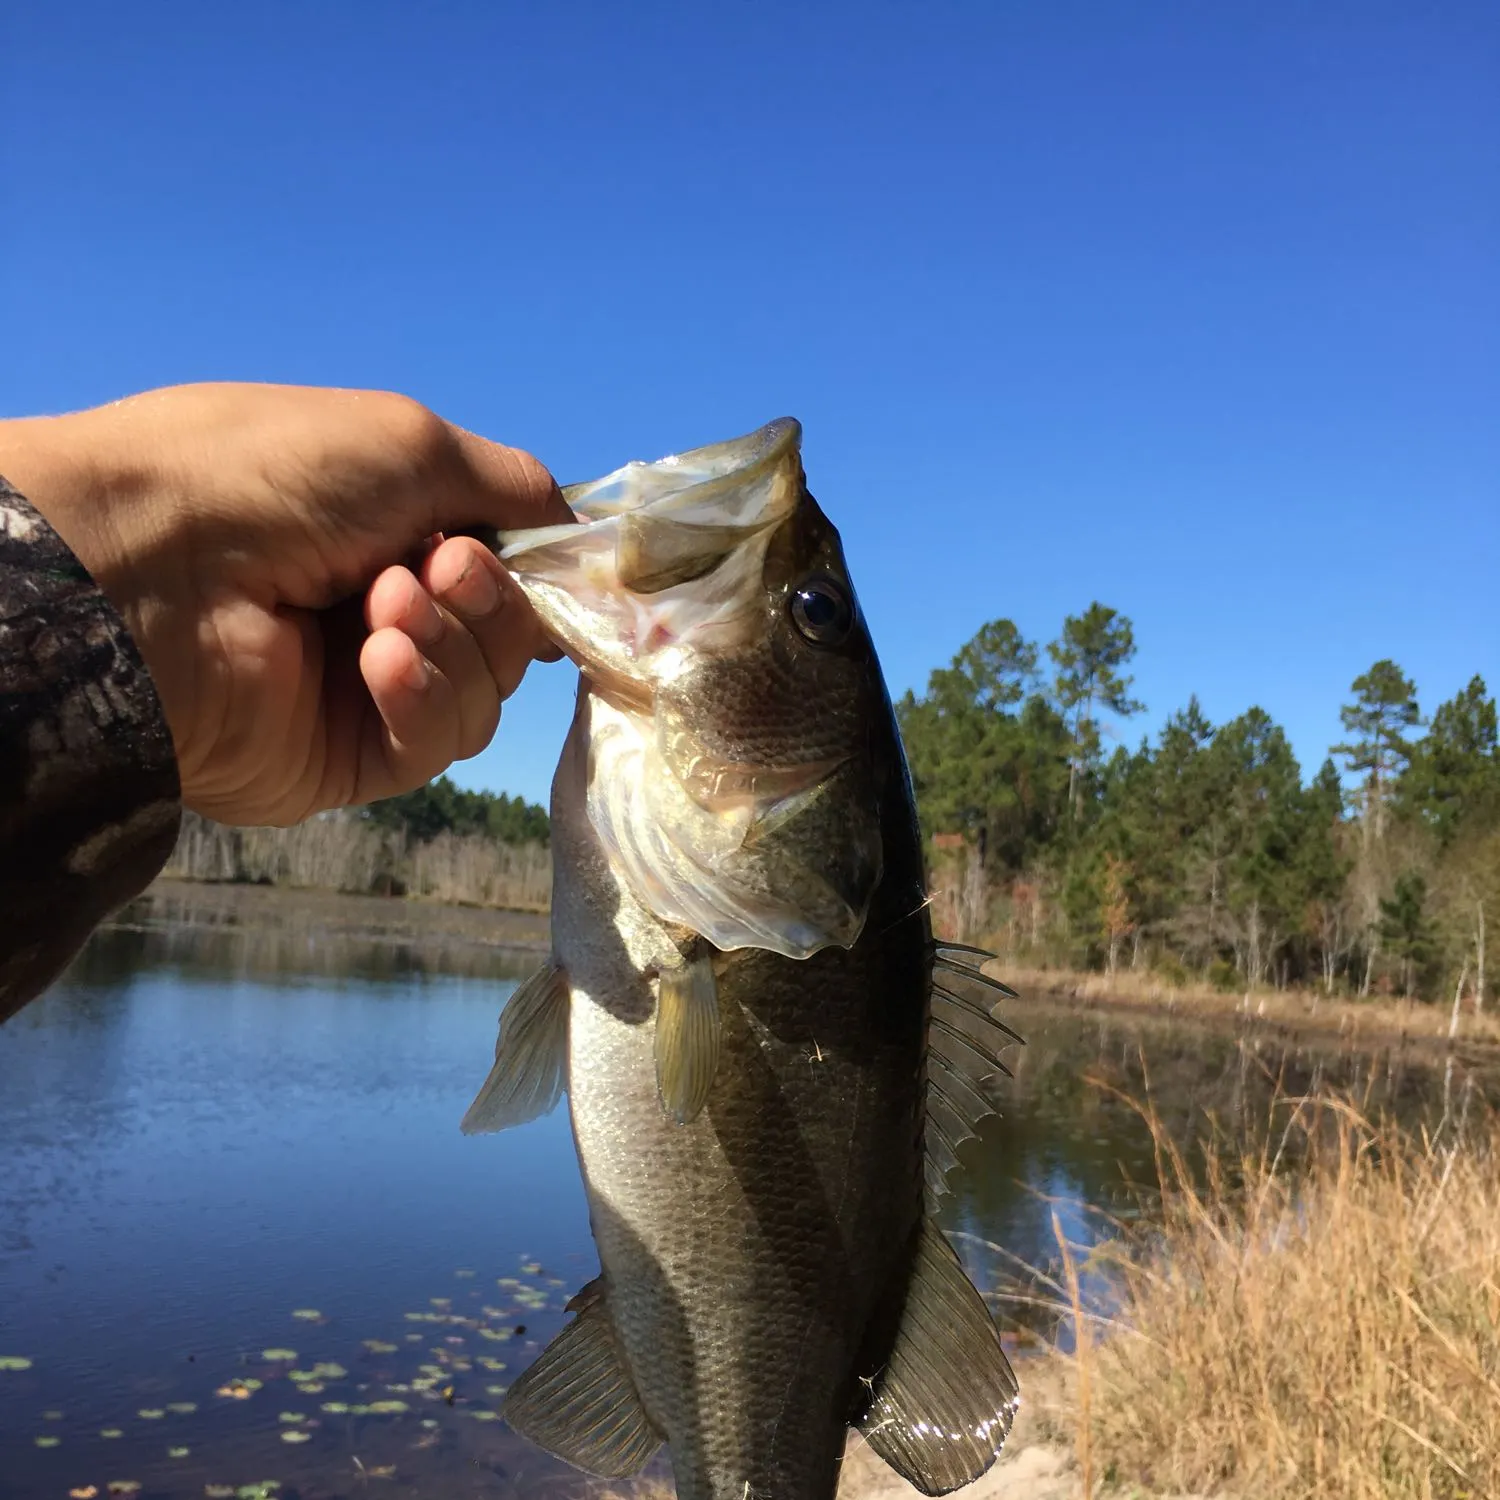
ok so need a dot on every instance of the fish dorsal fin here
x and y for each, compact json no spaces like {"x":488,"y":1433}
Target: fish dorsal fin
{"x":531,"y":1056}
{"x":942,"y":1406}
{"x":687,"y":1037}
{"x":964,"y":1043}
{"x":578,"y":1402}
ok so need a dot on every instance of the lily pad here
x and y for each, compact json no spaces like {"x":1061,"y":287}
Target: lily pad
{"x":388,"y":1408}
{"x":278,"y":1356}
{"x":111,"y":1432}
{"x":292,"y":1435}
{"x":381,"y":1471}
{"x":84,"y":1492}
{"x":483,"y":1414}
{"x":52,"y":1416}
{"x":531,"y":1268}
{"x":336,"y":1408}
{"x":463,"y":1273}
{"x":291,"y":1417}
{"x":308,"y":1314}
{"x":151,"y":1413}
{"x":496,"y":1390}
{"x":219,"y":1491}
{"x":429,"y":1423}
{"x":379,"y":1346}
{"x":124,"y":1486}
{"x":46,"y":1442}
{"x":182,"y":1408}
{"x":14,"y":1362}
{"x":178,"y":1452}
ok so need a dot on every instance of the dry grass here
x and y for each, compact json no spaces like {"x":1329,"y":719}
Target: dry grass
{"x":1315,"y":1316}
{"x":1304,"y":1010}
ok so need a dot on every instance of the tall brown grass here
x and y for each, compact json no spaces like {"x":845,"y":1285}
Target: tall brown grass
{"x":1315,"y":1315}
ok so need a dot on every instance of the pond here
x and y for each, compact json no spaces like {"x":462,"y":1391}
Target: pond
{"x":242,"y":1240}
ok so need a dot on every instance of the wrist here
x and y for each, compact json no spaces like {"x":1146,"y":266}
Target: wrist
{"x":80,"y":477}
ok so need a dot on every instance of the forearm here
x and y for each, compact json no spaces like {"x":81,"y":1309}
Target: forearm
{"x":89,"y":794}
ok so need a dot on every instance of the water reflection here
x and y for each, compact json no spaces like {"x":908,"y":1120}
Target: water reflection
{"x":207,"y":1127}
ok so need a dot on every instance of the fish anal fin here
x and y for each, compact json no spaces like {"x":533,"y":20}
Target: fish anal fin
{"x":687,"y":1037}
{"x":578,"y":1402}
{"x":531,"y":1056}
{"x":943,"y":1404}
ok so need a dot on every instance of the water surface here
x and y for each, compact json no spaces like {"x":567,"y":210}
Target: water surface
{"x":205,"y":1132}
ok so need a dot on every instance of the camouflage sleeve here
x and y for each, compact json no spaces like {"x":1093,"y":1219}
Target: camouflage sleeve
{"x":89,"y":796}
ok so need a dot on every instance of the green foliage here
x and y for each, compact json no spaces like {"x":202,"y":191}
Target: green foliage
{"x":441,"y":807}
{"x":1205,"y":853}
{"x":1384,"y":708}
{"x":1454,"y":773}
{"x":1408,"y":932}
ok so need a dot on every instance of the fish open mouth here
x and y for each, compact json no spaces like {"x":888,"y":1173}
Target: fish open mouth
{"x":664,"y":555}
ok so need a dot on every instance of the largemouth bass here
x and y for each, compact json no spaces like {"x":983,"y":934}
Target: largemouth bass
{"x":768,"y":1059}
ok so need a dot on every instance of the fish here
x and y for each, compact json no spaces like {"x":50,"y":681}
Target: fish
{"x":769,"y":1060}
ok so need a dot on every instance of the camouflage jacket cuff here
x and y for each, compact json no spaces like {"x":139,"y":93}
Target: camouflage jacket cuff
{"x":89,"y":795}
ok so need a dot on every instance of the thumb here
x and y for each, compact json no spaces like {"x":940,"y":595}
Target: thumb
{"x":495,"y":489}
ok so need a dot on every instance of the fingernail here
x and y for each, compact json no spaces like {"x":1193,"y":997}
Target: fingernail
{"x":417,"y":673}
{"x":476,"y":594}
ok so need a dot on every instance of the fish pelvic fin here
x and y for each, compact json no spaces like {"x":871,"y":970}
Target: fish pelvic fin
{"x":578,"y":1402}
{"x":531,"y":1056}
{"x":964,"y":1042}
{"x":688,"y":1031}
{"x":941,"y":1408}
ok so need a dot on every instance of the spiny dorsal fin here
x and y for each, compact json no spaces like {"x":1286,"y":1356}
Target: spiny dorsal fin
{"x":531,"y":1056}
{"x":578,"y":1402}
{"x":943,"y":1405}
{"x":687,"y":1037}
{"x":964,"y":1043}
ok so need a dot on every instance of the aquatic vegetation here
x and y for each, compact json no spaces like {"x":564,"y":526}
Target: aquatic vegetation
{"x":219,"y":1491}
{"x":295,"y":1435}
{"x":335,"y":1408}
{"x":178,"y":1452}
{"x":151,"y":1414}
{"x":111,"y":1432}
{"x":279,"y":1356}
{"x":83,"y":1492}
{"x":308,"y":1314}
{"x":124,"y":1487}
{"x":388,"y":1408}
{"x":292,"y":1417}
{"x":182,"y":1408}
{"x":46,"y":1442}
{"x":14,"y":1362}
{"x":52,"y":1416}
{"x":483,"y":1414}
{"x":239,"y":1390}
{"x":379,"y":1346}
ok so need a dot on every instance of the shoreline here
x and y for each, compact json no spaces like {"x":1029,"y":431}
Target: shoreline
{"x":1298,"y":1014}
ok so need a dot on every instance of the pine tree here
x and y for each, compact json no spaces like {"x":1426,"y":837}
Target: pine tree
{"x":1088,"y":656}
{"x":1407,"y":931}
{"x":1453,"y":777}
{"x":1385,"y":707}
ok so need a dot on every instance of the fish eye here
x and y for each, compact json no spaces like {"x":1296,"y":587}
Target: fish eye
{"x":821,"y":611}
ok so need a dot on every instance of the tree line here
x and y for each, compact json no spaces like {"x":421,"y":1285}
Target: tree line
{"x":438,"y":842}
{"x":1206,"y":852}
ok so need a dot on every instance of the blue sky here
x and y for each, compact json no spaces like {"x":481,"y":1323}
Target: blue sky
{"x":1191,"y":309}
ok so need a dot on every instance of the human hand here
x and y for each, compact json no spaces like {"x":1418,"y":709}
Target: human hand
{"x":276,"y":552}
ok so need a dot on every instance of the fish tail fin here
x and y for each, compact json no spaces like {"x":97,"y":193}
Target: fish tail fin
{"x":531,"y":1056}
{"x":942,"y":1406}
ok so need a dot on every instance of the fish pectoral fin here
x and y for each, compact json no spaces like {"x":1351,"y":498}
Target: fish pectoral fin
{"x":531,"y":1056}
{"x":687,"y":1037}
{"x":942,"y":1406}
{"x":964,"y":1042}
{"x":578,"y":1402}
